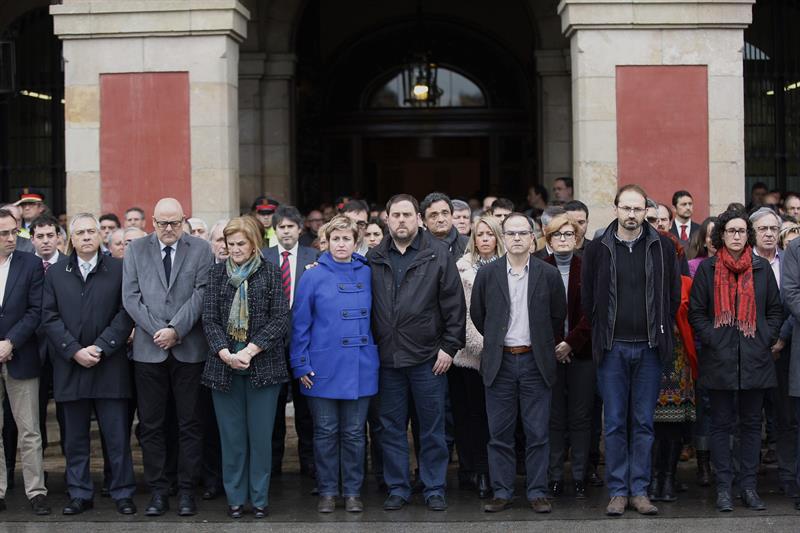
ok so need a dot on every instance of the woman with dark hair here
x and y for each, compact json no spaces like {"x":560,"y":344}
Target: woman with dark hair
{"x":736,"y":312}
{"x":700,"y":245}
{"x":375,"y":232}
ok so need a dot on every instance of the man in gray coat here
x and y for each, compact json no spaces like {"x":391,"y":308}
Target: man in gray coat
{"x":164,"y":277}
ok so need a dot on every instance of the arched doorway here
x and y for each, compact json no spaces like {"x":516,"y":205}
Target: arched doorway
{"x":355,"y":134}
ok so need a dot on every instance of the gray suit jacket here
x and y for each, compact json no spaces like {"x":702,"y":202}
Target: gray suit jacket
{"x":490,"y":311}
{"x":154,"y":305}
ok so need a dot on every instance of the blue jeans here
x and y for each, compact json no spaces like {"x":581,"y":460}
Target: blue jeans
{"x":397,"y":387}
{"x":339,"y":443}
{"x":629,"y":379}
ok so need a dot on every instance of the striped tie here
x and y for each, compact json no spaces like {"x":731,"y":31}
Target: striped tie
{"x":286,"y":275}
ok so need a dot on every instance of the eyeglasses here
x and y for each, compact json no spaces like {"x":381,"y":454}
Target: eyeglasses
{"x":174,"y":224}
{"x":562,"y":235}
{"x":635,"y":210}
{"x":736,"y":231}
{"x":771,"y":229}
{"x":512,"y":234}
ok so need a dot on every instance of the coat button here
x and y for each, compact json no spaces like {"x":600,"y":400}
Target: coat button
{"x":364,"y":340}
{"x":63,"y":344}
{"x":344,"y":314}
{"x":363,"y":312}
{"x":113,"y":343}
{"x":345,"y":341}
{"x":360,"y":285}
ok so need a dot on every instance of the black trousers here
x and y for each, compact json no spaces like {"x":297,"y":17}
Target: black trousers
{"x":571,"y":416}
{"x":468,"y":400}
{"x":303,"y":424}
{"x":154,"y":381}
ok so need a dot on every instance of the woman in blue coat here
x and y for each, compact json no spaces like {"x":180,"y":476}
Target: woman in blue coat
{"x":335,"y":358}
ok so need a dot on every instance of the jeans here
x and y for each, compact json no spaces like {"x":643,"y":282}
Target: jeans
{"x":629,"y":379}
{"x":518,"y":388}
{"x":571,"y":415}
{"x":726,"y":407}
{"x":339,"y":443}
{"x":397,"y":387}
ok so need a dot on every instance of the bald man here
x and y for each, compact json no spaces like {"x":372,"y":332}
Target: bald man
{"x":164,"y":277}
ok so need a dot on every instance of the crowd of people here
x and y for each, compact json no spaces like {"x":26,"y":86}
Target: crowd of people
{"x":506,"y":338}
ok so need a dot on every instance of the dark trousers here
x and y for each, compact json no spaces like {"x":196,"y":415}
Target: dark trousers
{"x":785,"y":423}
{"x":112,"y":418}
{"x":303,"y":425}
{"x":375,"y":433}
{"x":211,"y":475}
{"x":571,"y":416}
{"x":397,"y":387}
{"x":518,"y":388}
{"x":468,"y":401}
{"x":726,"y":406}
{"x":154,"y":381}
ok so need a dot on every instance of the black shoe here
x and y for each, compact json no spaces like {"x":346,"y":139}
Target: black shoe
{"x":235,"y":511}
{"x":751,"y":500}
{"x":668,"y":489}
{"x":210,"y":493}
{"x":496,"y":505}
{"x":484,"y":486}
{"x":594,"y":478}
{"x":186,"y":505}
{"x":796,"y":504}
{"x":260,"y":512}
{"x":2,"y":504}
{"x":556,"y":488}
{"x":39,"y":505}
{"x":654,"y":490}
{"x":703,"y":468}
{"x":159,"y":504}
{"x":437,"y":503}
{"x":125,"y":506}
{"x":77,"y":506}
{"x":326,"y":504}
{"x":724,"y":501}
{"x":790,"y":490}
{"x":393,"y":503}
{"x":580,"y":489}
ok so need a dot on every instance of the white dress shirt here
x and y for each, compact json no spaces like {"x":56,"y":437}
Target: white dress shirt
{"x":53,"y":260}
{"x":4,"y":277}
{"x":174,"y":249}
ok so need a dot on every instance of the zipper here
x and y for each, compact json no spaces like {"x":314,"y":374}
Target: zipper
{"x":614,"y":276}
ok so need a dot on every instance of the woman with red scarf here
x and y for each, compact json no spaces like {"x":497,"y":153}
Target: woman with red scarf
{"x":736,"y":312}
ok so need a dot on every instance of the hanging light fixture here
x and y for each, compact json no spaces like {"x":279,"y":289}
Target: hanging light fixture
{"x":420,"y":88}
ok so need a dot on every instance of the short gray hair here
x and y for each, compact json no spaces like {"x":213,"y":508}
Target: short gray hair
{"x":550,"y":213}
{"x":218,"y":225}
{"x":761,"y":212}
{"x":461,"y":205}
{"x":81,"y":216}
{"x":195,"y":223}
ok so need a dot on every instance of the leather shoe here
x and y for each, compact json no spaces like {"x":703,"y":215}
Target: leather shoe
{"x":158,"y":505}
{"x":186,"y":505}
{"x":616,"y":506}
{"x":751,"y":500}
{"x":496,"y":505}
{"x":541,"y":505}
{"x":393,"y":503}
{"x":580,"y":490}
{"x":643,"y":505}
{"x":437,"y":503}
{"x":260,"y":512}
{"x":484,"y":486}
{"x":797,"y":504}
{"x":326,"y":504}
{"x":556,"y":488}
{"x":39,"y":505}
{"x":125,"y":506}
{"x":77,"y":506}
{"x":353,"y":504}
{"x":724,"y":501}
{"x":235,"y":511}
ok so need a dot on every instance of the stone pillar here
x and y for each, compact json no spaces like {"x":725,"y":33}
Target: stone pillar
{"x":555,"y":134}
{"x":277,"y":133}
{"x":251,"y":80}
{"x":165,"y":75}
{"x":657,"y":99}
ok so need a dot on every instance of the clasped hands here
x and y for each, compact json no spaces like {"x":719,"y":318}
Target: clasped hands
{"x":563,"y":352}
{"x":87,"y":357}
{"x":237,"y":361}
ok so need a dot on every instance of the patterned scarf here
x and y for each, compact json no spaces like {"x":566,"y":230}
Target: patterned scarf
{"x":726,"y":287}
{"x":482,"y":262}
{"x":239,"y":319}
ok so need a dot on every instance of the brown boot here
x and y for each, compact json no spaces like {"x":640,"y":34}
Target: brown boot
{"x":643,"y":506}
{"x":617,"y":505}
{"x":541,"y":505}
{"x":495,"y":505}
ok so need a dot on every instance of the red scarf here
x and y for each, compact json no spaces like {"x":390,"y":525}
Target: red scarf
{"x":726,"y":287}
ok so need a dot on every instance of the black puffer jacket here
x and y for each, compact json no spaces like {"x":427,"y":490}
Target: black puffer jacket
{"x":427,"y":314}
{"x":728,"y":360}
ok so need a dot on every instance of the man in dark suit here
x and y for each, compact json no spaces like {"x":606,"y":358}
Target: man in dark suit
{"x":519,"y":305}
{"x":683,"y":227}
{"x":88,"y":327}
{"x":292,"y":259}
{"x":164,"y":278}
{"x":21,"y":278}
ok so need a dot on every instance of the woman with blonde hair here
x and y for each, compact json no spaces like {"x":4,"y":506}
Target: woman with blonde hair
{"x":466,"y":385}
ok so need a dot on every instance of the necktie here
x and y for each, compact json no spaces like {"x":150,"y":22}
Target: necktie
{"x":684,"y":237}
{"x":167,"y":262}
{"x":85,"y":268}
{"x":45,"y":265}
{"x":286,"y":275}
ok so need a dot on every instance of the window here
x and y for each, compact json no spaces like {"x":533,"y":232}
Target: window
{"x":457,"y":91}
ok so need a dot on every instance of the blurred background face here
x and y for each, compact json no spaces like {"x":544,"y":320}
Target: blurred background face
{"x":45,"y":241}
{"x":582,"y":220}
{"x":116,"y":244}
{"x":767,"y":230}
{"x":218,"y":245}
{"x":373,"y":235}
{"x":439,"y":219}
{"x":132,"y":235}
{"x":341,"y":245}
{"x":485,"y":240}
{"x":106,"y":227}
{"x":500,"y":213}
{"x":314,"y":221}
{"x":735,"y":235}
{"x":487,"y":203}
{"x":134,"y":219}
{"x":561,"y":192}
{"x":8,"y":236}
{"x":663,"y":218}
{"x":85,"y":237}
{"x":31,"y":210}
{"x":239,"y":248}
{"x":792,"y":207}
{"x":360,"y":218}
{"x":563,"y":240}
{"x":709,"y":244}
{"x":461,"y":221}
{"x":168,"y":221}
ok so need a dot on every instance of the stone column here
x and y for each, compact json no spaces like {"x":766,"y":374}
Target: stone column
{"x":555,"y":133}
{"x":626,"y":51}
{"x":176,"y":64}
{"x":277,"y":133}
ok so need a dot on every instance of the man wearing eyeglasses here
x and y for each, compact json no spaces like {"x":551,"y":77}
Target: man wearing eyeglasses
{"x":519,"y":306}
{"x":631,"y":290}
{"x":164,"y":277}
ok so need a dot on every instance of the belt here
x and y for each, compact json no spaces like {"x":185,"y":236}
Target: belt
{"x":516,"y":350}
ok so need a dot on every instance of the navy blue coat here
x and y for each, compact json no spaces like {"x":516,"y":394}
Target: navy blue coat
{"x":331,"y":330}
{"x":21,"y":313}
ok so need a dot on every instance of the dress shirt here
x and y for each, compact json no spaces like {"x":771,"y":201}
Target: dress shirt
{"x":292,"y":266}
{"x":174,"y":250}
{"x":4,"y":277}
{"x":53,"y":260}
{"x":519,"y":328}
{"x":85,"y":271}
{"x":775,"y":263}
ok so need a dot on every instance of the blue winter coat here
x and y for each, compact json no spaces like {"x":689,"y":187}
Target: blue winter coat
{"x":331,"y":330}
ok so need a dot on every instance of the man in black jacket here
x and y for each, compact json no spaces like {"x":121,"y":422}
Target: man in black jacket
{"x":631,"y":290}
{"x":88,"y":327}
{"x":418,"y":319}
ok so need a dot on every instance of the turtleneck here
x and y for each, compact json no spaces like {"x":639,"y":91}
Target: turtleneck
{"x":563,"y":261}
